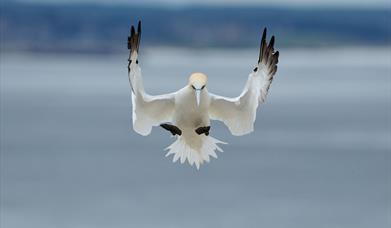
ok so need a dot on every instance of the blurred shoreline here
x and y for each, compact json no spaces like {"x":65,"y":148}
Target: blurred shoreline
{"x":102,"y":29}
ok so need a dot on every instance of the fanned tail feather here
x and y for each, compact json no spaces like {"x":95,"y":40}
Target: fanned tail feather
{"x":183,"y":152}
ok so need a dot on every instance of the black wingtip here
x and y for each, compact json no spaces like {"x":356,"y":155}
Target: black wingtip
{"x":134,"y":39}
{"x":264,"y":34}
{"x":267,"y":56}
{"x":132,"y":31}
{"x":139,"y":27}
{"x":271,"y":44}
{"x":129,"y":46}
{"x":263,"y":45}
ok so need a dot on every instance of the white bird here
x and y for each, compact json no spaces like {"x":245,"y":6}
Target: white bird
{"x":187,"y":112}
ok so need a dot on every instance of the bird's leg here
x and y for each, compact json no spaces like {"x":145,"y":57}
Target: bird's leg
{"x":203,"y":130}
{"x":171,"y":128}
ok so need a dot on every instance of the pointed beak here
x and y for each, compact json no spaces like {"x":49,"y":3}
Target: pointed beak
{"x":198,"y":93}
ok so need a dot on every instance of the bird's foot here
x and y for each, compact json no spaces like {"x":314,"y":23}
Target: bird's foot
{"x":171,"y":128}
{"x":203,"y":130}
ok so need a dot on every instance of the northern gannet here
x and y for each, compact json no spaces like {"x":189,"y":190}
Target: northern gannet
{"x":187,"y":112}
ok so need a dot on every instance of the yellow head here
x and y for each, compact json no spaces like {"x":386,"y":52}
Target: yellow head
{"x":197,"y":81}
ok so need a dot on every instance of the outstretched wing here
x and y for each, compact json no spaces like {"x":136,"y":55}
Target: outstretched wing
{"x":148,"y":110}
{"x":239,"y":113}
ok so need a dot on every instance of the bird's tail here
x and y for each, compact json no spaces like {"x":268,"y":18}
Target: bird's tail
{"x":182,"y":151}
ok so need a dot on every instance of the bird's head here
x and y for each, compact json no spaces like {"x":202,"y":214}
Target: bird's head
{"x":197,"y":82}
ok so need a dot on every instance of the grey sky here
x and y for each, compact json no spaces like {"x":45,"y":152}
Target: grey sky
{"x":349,"y":3}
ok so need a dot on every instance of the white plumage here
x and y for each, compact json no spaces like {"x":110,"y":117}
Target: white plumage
{"x":187,"y":112}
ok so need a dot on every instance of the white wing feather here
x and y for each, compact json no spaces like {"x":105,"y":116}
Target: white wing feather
{"x":147,"y":110}
{"x":239,"y":113}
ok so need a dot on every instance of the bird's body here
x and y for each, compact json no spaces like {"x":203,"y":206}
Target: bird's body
{"x":187,"y":112}
{"x":188,"y":116}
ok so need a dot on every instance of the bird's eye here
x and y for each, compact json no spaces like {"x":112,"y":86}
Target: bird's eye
{"x":193,"y":87}
{"x":203,"y":87}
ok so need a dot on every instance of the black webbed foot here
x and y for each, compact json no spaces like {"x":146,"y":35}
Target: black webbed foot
{"x":203,"y":130}
{"x":171,"y":128}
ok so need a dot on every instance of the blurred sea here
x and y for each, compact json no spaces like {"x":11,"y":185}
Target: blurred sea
{"x":319,"y":157}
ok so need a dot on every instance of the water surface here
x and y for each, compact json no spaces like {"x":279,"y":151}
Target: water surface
{"x":319,"y":156}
